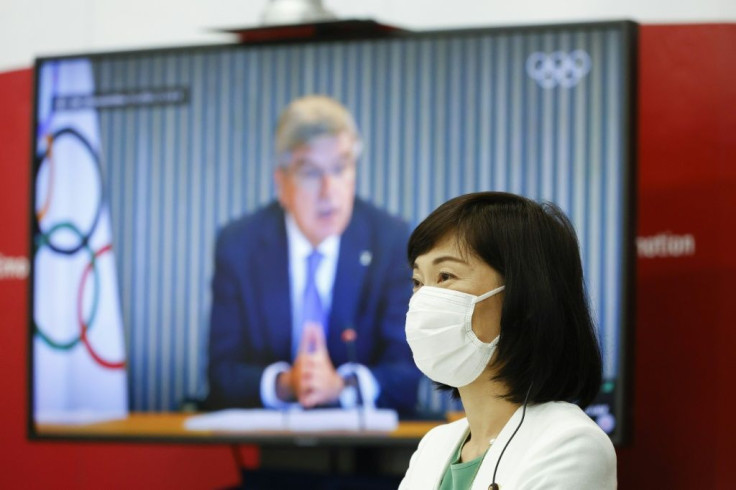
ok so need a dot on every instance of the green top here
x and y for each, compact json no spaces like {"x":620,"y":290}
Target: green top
{"x":460,"y":476}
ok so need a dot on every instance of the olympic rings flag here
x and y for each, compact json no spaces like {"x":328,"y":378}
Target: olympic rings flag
{"x":78,"y":342}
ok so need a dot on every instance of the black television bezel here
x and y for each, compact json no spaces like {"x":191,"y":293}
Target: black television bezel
{"x":623,"y":402}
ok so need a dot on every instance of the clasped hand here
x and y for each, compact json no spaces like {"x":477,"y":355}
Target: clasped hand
{"x":312,"y":380}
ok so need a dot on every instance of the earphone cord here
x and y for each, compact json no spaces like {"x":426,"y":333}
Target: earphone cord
{"x":523,"y":413}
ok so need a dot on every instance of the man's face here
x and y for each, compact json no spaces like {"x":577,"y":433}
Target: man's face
{"x":317,"y":187}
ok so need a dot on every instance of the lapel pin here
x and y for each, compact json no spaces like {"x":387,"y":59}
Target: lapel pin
{"x":365,"y":258}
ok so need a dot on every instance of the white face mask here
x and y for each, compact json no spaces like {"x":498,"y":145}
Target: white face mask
{"x":440,"y":334}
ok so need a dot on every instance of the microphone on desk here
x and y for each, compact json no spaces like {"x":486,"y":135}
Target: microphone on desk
{"x":349,"y":336}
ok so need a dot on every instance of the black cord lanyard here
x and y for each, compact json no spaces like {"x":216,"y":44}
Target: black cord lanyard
{"x":494,"y":485}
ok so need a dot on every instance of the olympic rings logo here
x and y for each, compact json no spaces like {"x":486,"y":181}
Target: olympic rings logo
{"x":64,"y":225}
{"x":67,"y":137}
{"x":558,"y":68}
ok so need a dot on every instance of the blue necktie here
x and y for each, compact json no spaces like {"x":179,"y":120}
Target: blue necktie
{"x":311,"y":303}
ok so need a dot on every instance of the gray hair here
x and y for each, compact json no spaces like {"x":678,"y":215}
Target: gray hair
{"x":310,"y":117}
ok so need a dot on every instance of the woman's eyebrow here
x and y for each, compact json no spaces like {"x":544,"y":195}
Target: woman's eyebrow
{"x":443,"y":258}
{"x":448,"y":258}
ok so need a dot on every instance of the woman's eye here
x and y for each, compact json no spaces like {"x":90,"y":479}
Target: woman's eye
{"x":444,"y":276}
{"x":415,"y":284}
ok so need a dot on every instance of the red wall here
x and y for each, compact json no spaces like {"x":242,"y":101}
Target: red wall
{"x":685,"y":339}
{"x":684,"y":435}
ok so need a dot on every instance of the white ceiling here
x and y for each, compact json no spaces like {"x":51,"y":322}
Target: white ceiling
{"x":31,"y":28}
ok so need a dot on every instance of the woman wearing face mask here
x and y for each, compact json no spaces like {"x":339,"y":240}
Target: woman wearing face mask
{"x":499,"y":315}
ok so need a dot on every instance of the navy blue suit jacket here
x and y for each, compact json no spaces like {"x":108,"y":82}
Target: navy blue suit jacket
{"x":250,"y":323}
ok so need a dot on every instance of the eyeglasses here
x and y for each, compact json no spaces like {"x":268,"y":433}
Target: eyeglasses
{"x":310,"y":176}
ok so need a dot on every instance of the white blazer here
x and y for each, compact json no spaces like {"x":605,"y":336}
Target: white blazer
{"x":557,"y":447}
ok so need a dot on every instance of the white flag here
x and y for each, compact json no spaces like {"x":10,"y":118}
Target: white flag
{"x":79,"y":370}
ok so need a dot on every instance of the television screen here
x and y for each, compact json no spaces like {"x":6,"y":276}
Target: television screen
{"x":143,"y":158}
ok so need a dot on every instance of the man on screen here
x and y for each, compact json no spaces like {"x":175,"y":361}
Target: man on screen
{"x":310,"y":292}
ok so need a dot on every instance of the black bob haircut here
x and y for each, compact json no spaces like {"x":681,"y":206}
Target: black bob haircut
{"x":548,"y":343}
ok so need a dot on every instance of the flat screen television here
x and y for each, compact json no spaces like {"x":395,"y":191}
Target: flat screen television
{"x":141,"y":157}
